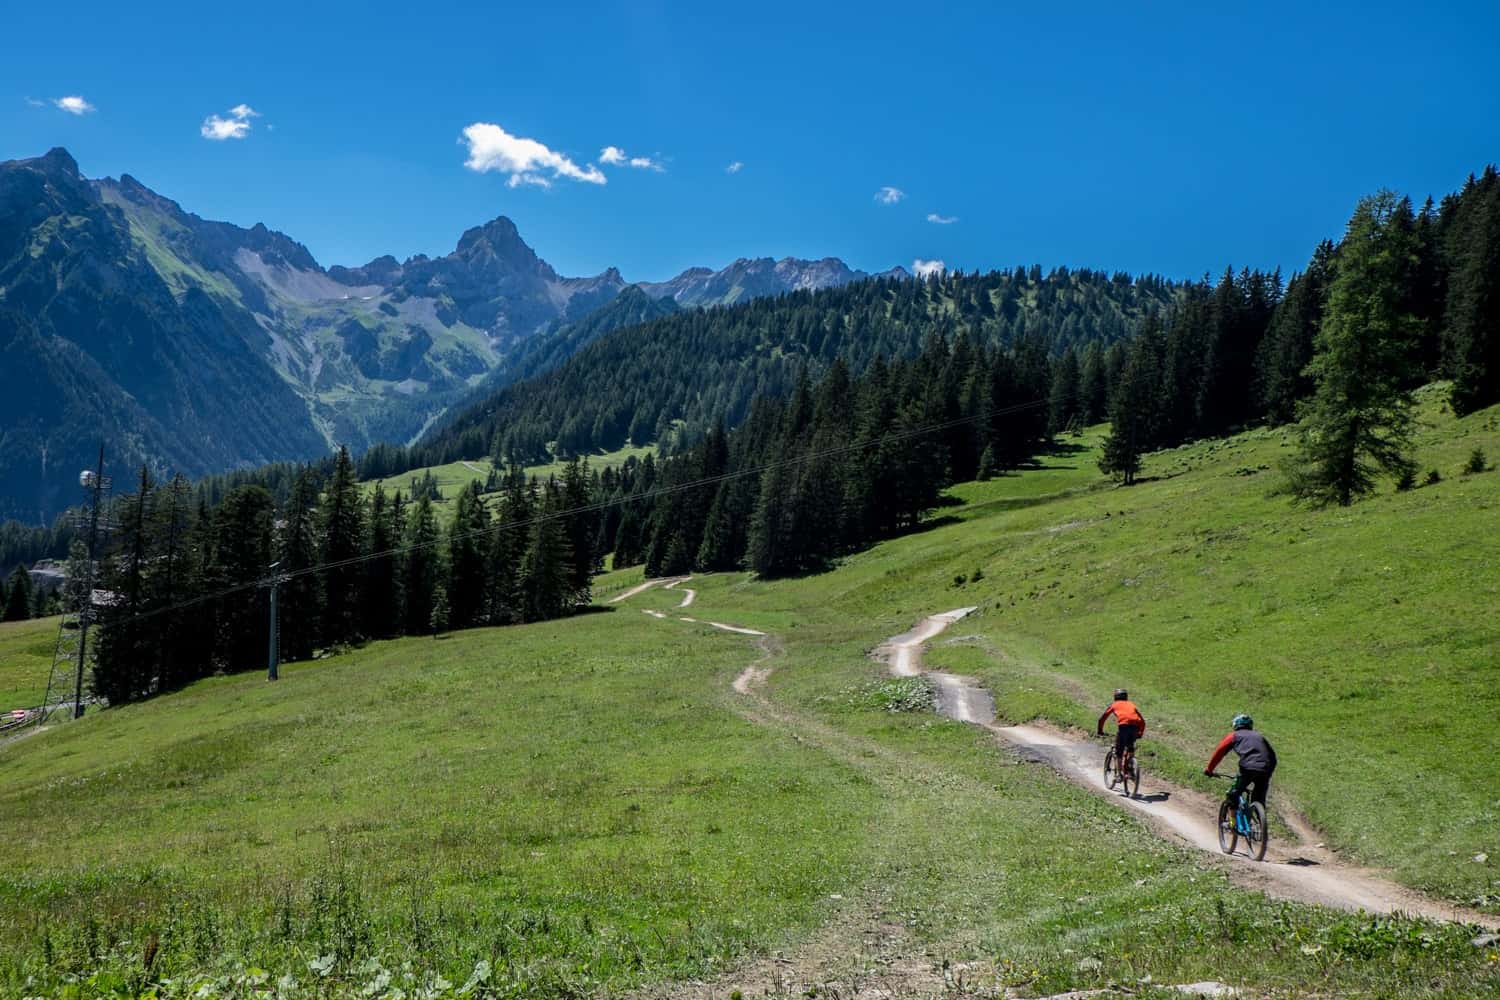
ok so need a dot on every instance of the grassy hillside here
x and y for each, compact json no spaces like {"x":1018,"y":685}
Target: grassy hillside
{"x":26,"y":650}
{"x":454,"y":476}
{"x":1362,"y":639}
{"x":585,"y":805}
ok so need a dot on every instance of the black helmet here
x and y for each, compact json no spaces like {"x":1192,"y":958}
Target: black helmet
{"x":1243,"y":721}
{"x":1121,"y":694}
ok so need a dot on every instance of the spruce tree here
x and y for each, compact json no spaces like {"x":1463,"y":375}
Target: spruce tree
{"x":383,"y":609}
{"x":243,"y":547}
{"x":18,"y":598}
{"x":342,"y":540}
{"x":1472,"y":334}
{"x":546,"y":584}
{"x":468,"y":545}
{"x":125,"y":662}
{"x":1358,"y":421}
{"x":1132,"y":412}
{"x":301,"y":597}
{"x":424,"y":568}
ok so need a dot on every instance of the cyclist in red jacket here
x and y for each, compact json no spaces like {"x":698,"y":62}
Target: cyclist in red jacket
{"x":1130,"y":724}
{"x":1257,"y":759}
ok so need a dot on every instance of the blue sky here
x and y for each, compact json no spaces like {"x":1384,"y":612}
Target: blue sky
{"x":1143,"y":137}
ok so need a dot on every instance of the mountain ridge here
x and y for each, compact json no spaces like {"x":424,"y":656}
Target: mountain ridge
{"x":319,"y":356}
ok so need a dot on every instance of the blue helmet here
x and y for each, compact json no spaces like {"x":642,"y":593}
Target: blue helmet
{"x":1243,"y":721}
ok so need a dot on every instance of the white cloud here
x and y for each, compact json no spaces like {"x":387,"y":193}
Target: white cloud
{"x":889,"y":195}
{"x":941,"y":220}
{"x":73,"y":105}
{"x":615,"y":157}
{"x":493,"y":148}
{"x":236,"y":126}
{"x":734,"y":167}
{"x":36,"y":103}
{"x":925,"y":268}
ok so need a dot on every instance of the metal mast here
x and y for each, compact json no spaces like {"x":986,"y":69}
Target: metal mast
{"x":65,"y":682}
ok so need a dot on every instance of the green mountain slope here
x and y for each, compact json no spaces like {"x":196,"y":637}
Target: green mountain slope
{"x":422,"y":802}
{"x":636,"y":384}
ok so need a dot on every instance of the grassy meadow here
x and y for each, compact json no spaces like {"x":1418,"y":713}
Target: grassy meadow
{"x":583,"y":807}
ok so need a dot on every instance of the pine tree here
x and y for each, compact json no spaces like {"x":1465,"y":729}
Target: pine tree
{"x":1064,"y":398}
{"x":507,"y":548}
{"x":383,"y":607}
{"x":1281,"y":367}
{"x":174,"y":577}
{"x":242,"y":552}
{"x":301,"y":597}
{"x":1132,"y":415}
{"x":1472,"y":334}
{"x":1358,"y":421}
{"x":18,"y":598}
{"x":423,"y":565}
{"x":342,"y":540}
{"x":546,"y":586}
{"x":439,"y":617}
{"x":468,"y":545}
{"x":125,"y":662}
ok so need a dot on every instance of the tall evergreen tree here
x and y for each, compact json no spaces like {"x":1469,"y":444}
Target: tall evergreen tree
{"x":18,"y":598}
{"x":546,"y":582}
{"x":1132,"y":414}
{"x":1359,"y":419}
{"x":125,"y":661}
{"x":382,"y":603}
{"x":301,"y":597}
{"x":342,"y":530}
{"x":424,"y":569}
{"x":242,"y":552}
{"x":468,"y":545}
{"x":1472,"y":334}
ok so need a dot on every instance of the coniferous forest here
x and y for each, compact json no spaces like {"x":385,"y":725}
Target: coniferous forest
{"x":780,"y":460}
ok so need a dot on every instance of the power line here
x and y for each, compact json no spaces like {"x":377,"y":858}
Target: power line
{"x":652,"y":494}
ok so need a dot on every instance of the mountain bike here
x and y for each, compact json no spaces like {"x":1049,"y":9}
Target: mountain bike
{"x":1242,"y":819}
{"x":1122,"y":769}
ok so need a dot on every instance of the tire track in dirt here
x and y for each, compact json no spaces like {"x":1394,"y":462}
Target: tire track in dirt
{"x":1292,"y":871}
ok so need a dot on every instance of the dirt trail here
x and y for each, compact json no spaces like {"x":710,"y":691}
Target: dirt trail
{"x":689,"y":595}
{"x":1293,"y":871}
{"x":638,"y":588}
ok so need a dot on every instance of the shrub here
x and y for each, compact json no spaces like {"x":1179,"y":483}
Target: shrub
{"x":1433,"y":478}
{"x":977,"y":575}
{"x":960,"y":580}
{"x":1476,"y":463}
{"x":1407,"y":480}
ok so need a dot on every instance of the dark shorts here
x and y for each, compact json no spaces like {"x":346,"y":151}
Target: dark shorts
{"x":1258,"y":782}
{"x":1125,"y":737}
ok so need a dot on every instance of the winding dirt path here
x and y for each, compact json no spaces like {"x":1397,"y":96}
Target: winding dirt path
{"x":1293,"y":871}
{"x":1302,"y":871}
{"x":689,"y":595}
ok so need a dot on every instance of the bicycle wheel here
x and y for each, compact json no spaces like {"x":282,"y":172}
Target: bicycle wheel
{"x":1228,"y":835}
{"x":1132,"y":776}
{"x":1255,"y":840}
{"x":1111,"y":774}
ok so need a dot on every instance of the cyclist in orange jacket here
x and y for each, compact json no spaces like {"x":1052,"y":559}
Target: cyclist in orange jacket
{"x":1130,"y":724}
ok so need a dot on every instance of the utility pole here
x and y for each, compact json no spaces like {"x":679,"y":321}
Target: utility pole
{"x":71,"y":654}
{"x":96,"y":489}
{"x":273,"y":653}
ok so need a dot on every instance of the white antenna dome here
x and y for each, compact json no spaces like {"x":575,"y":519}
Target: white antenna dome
{"x":87,"y":478}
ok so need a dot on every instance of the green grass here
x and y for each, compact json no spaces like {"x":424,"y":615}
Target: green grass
{"x":1362,"y":639}
{"x":456,"y":475}
{"x":585,"y":806}
{"x":26,"y":650}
